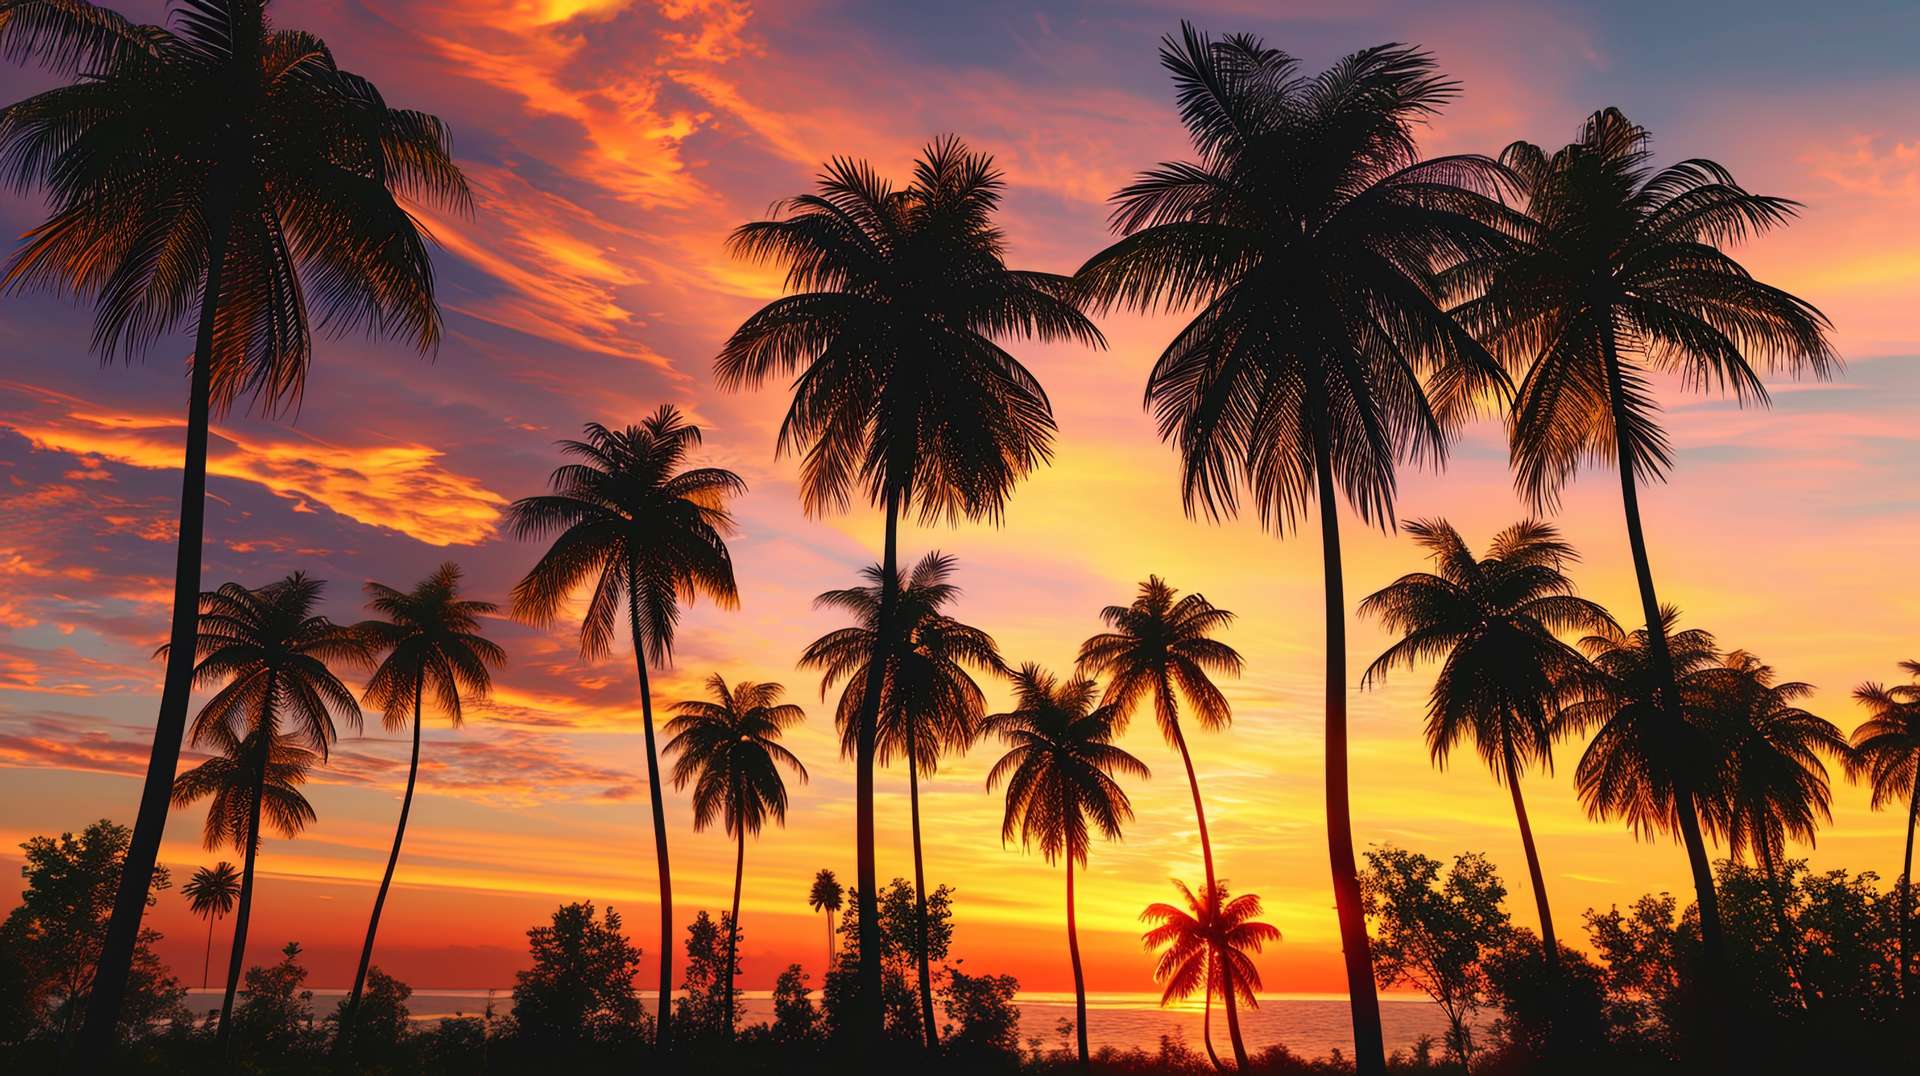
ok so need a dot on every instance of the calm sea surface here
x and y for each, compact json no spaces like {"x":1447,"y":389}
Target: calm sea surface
{"x":1310,"y":1025}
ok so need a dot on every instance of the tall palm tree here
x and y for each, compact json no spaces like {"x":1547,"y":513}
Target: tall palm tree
{"x":432,"y":642}
{"x":929,"y":702}
{"x":223,"y":172}
{"x":904,"y":395}
{"x":729,"y":750}
{"x":1205,"y":943}
{"x":826,"y":896}
{"x":1493,"y":624}
{"x":1622,"y":276}
{"x":1163,"y":648}
{"x":1309,"y":235}
{"x":210,"y":895}
{"x":628,"y":520}
{"x":1886,"y":754}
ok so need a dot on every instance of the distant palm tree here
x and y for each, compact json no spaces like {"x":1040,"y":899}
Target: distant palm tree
{"x":1493,"y":624}
{"x":929,"y":703}
{"x":627,"y":520}
{"x":904,"y":393}
{"x":1204,"y":944}
{"x":1309,"y":235}
{"x":1886,"y":754}
{"x":224,"y":172}
{"x":432,"y":642}
{"x":1621,"y":276}
{"x":826,"y":896}
{"x":210,"y":895}
{"x":1163,"y":648}
{"x":729,"y":751}
{"x":1062,"y":770}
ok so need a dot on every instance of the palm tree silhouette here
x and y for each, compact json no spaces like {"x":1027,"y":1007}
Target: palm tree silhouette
{"x":825,"y":896}
{"x":1204,"y":944}
{"x":271,"y":721}
{"x":1622,"y":275}
{"x":1492,"y":624}
{"x":225,"y":171}
{"x":1163,"y":648}
{"x":431,"y":638}
{"x":729,"y":751}
{"x":929,"y":703}
{"x":628,"y":520}
{"x":1886,"y":754}
{"x":1062,"y":770}
{"x":210,"y":895}
{"x":1310,"y":236}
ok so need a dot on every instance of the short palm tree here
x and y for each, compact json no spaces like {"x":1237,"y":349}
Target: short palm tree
{"x":899,"y":302}
{"x":432,"y":642}
{"x":1205,"y":943}
{"x":729,"y":750}
{"x":219,"y":171}
{"x":826,"y":896}
{"x":1162,"y":647}
{"x":1062,"y":772}
{"x":1886,"y":754}
{"x":1309,"y":236}
{"x":1623,"y":276}
{"x":929,"y":706}
{"x":1493,"y":625}
{"x":629,"y":524}
{"x":210,"y":895}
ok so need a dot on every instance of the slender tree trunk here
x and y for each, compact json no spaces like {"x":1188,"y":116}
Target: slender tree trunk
{"x":866,"y":899}
{"x":920,"y":890}
{"x":1233,"y":1015}
{"x":1783,"y":926}
{"x":1369,"y":1050}
{"x":1906,"y":902}
{"x":206,"y":962}
{"x":829,"y":939}
{"x":1206,"y":1020}
{"x":1079,"y":977}
{"x":733,"y":930}
{"x":136,"y":873}
{"x":1547,"y":943}
{"x":237,"y":959}
{"x":663,"y":1038}
{"x":1199,"y":812}
{"x":351,"y":1016}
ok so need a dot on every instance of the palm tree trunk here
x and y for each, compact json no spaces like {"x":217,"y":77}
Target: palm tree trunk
{"x":1782,"y":926}
{"x":1199,"y":812}
{"x":347,"y":1019}
{"x":1906,"y":901}
{"x":206,"y":962}
{"x":237,"y":958}
{"x":1548,"y":944}
{"x":733,"y":928}
{"x":143,"y":851}
{"x":866,"y":900}
{"x":829,"y":964}
{"x":1206,"y":1020}
{"x":1369,"y":1050}
{"x":663,"y":1037}
{"x":920,"y":891}
{"x":1233,"y":1015}
{"x":1079,"y":977}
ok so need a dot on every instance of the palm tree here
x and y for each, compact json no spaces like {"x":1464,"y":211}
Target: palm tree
{"x":1309,"y":234}
{"x":1622,"y":276}
{"x":929,"y":702}
{"x":431,"y":638}
{"x":1062,"y":770}
{"x":904,"y":394}
{"x":210,"y":895}
{"x":224,"y":172}
{"x":1204,"y":944}
{"x":729,"y":751}
{"x":1493,"y":624}
{"x":628,"y":520}
{"x":826,"y":896}
{"x":1886,"y":754}
{"x":1163,"y":648}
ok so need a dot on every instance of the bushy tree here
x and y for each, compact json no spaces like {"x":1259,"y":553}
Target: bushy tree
{"x":1548,"y":1015}
{"x":579,"y":994}
{"x":795,"y":1020}
{"x":275,"y":1017}
{"x":380,"y":1027}
{"x":1433,"y":932}
{"x":986,"y":1021}
{"x":703,"y":1011}
{"x":898,"y":934}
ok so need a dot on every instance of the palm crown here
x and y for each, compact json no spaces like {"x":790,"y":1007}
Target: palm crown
{"x":232,"y":778}
{"x":1161,"y":644}
{"x":728,"y":749}
{"x":1886,"y":746}
{"x":1061,"y":766}
{"x":1205,"y":940}
{"x":212,"y":890}
{"x":432,"y":641}
{"x":826,"y":893}
{"x":1772,"y":782}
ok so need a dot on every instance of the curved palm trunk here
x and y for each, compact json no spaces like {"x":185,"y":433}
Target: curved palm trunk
{"x":829,"y":964}
{"x":1906,"y":902}
{"x":920,"y":892}
{"x":1233,"y":1016}
{"x":733,"y":930}
{"x":866,"y":880}
{"x":143,"y":851}
{"x":663,"y":1038}
{"x":347,"y":1019}
{"x":237,"y":958}
{"x":1369,"y":1050}
{"x":1548,"y":944}
{"x":1783,"y":931}
{"x":1079,"y":978}
{"x":206,"y":962}
{"x":1206,"y":1021}
{"x":1199,"y":812}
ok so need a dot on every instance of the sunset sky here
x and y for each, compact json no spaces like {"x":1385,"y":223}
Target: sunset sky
{"x":612,"y":145}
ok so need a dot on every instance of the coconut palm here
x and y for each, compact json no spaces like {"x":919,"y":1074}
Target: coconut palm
{"x":1205,"y":943}
{"x":210,"y":895}
{"x":1622,"y":277}
{"x":1493,"y":624}
{"x":223,"y":172}
{"x":929,"y":702}
{"x":1309,"y":236}
{"x":729,"y":751}
{"x":626,"y":519}
{"x":904,"y":395}
{"x":432,"y":642}
{"x":1886,"y":754}
{"x":1062,"y":771}
{"x":1161,"y":647}
{"x":826,"y":896}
